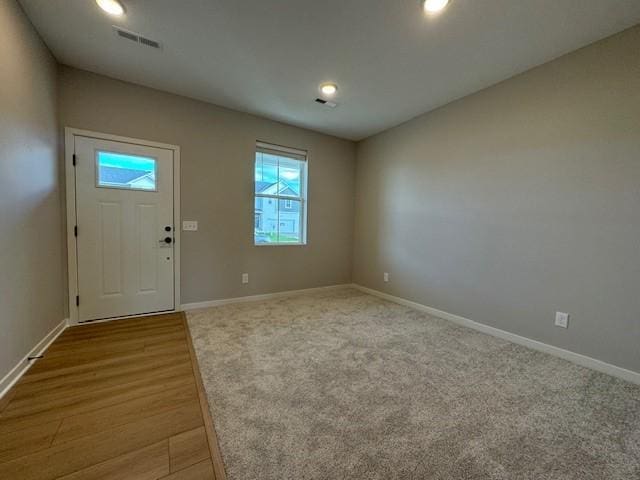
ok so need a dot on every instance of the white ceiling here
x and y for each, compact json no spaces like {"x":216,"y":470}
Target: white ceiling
{"x":390,"y":60}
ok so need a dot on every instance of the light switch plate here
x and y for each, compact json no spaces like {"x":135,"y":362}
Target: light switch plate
{"x":190,"y":226}
{"x":245,"y":278}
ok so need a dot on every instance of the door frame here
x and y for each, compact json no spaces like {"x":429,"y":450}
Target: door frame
{"x":70,"y":181}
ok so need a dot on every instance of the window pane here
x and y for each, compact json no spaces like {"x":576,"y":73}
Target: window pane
{"x":116,"y":170}
{"x":277,"y":221}
{"x":278,"y":175}
{"x":266,"y":175}
{"x":290,"y":176}
{"x":289,"y":221}
{"x":266,"y":220}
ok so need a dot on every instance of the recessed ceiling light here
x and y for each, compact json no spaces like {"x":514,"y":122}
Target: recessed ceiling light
{"x":112,"y":7}
{"x":434,"y":6}
{"x":329,"y":88}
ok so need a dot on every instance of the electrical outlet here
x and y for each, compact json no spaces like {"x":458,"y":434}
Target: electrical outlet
{"x":386,"y":277}
{"x":245,"y":278}
{"x":190,"y":226}
{"x":562,"y":320}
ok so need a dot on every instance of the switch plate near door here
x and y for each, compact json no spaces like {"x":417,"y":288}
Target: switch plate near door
{"x":190,"y":226}
{"x":245,"y":278}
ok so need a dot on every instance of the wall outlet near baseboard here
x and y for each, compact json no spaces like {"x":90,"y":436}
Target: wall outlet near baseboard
{"x":245,"y":278}
{"x":386,"y":277}
{"x":562,"y":320}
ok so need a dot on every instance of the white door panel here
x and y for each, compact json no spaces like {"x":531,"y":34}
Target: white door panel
{"x":147,"y":226}
{"x":110,"y":247}
{"x":124,"y":204}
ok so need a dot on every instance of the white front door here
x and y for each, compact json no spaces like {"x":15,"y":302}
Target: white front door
{"x":125,"y":231}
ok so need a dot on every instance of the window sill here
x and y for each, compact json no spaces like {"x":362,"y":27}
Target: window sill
{"x":279,"y":244}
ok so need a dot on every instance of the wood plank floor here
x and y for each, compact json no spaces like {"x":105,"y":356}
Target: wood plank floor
{"x":113,"y":400}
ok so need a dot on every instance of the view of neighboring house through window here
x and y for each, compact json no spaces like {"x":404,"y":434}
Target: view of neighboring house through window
{"x":280,"y":195}
{"x":116,"y":170}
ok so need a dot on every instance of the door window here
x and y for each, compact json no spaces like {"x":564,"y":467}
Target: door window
{"x":116,"y":170}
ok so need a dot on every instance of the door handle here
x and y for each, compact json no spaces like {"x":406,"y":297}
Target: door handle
{"x":166,"y":242}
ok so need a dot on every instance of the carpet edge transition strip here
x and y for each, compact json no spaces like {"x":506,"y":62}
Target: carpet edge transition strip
{"x":212,"y":438}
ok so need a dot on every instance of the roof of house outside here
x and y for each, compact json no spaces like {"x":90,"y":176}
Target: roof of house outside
{"x":120,"y":175}
{"x":275,"y":188}
{"x":261,"y":186}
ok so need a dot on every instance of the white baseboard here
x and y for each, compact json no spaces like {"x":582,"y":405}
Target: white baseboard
{"x":573,"y":357}
{"x":256,"y":298}
{"x":20,"y":369}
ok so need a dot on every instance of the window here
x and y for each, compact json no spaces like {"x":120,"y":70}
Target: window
{"x":280,"y":205}
{"x":117,"y":170}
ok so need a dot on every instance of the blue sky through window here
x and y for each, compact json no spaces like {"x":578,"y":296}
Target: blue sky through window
{"x":118,"y":160}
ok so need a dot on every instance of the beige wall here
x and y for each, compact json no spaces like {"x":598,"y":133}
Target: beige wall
{"x":31,"y":298}
{"x":217,"y":154}
{"x":516,"y":202}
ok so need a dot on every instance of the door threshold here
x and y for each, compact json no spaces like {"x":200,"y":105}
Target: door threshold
{"x":127,"y":317}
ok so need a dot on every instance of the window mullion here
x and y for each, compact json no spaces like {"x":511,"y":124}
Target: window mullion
{"x":278,"y":200}
{"x":281,"y":197}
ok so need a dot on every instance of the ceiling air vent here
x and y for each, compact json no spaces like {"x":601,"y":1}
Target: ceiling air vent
{"x":136,"y":37}
{"x":127,"y":35}
{"x":326,"y":103}
{"x":149,"y":43}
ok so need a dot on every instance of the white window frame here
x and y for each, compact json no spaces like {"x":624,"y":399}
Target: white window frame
{"x":294,"y":154}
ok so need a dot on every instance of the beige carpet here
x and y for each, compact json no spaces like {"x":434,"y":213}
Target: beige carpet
{"x":343,"y":385}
